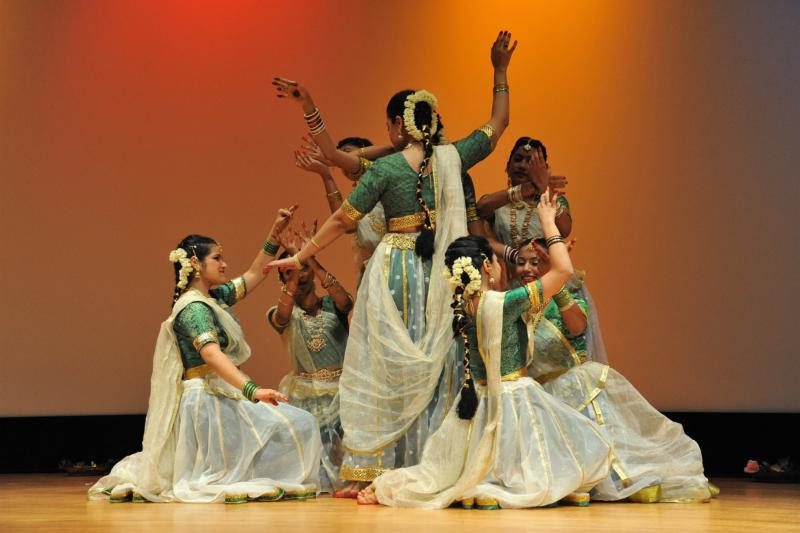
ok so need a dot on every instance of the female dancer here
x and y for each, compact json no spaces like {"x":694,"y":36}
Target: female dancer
{"x":211,"y":433}
{"x":508,"y":443}
{"x":653,"y":459}
{"x":400,"y":370}
{"x":314,"y":333}
{"x":512,"y":213}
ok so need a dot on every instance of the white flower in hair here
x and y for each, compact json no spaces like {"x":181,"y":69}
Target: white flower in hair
{"x":179,"y":255}
{"x":408,"y":114}
{"x":461,"y":265}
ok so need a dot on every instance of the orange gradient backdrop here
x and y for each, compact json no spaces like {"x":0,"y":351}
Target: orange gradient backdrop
{"x":126,"y":125}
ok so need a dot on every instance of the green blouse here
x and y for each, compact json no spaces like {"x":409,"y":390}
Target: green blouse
{"x":197,"y":324}
{"x":514,"y":344}
{"x":391,"y":181}
{"x":552,"y":314}
{"x":335,"y":327}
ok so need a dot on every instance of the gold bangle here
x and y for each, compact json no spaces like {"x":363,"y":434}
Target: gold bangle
{"x":313,"y":241}
{"x":297,"y":263}
{"x":334,"y":194}
{"x":501,"y":88}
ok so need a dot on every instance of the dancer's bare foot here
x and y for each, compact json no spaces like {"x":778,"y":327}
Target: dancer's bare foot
{"x":350,"y":491}
{"x":367,"y":496}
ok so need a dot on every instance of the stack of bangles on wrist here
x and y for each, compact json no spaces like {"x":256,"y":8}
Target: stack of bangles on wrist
{"x":249,"y":390}
{"x":515,"y":194}
{"x":297,"y":263}
{"x":329,"y":281}
{"x":555,"y":239}
{"x":270,"y":247}
{"x":563,"y":299}
{"x":501,"y":88}
{"x":314,"y":122}
{"x":510,"y":254}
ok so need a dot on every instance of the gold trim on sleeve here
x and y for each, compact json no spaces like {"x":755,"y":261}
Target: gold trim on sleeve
{"x":205,"y":338}
{"x":472,"y":214}
{"x":351,"y":212}
{"x":240,"y":286}
{"x":533,"y":294}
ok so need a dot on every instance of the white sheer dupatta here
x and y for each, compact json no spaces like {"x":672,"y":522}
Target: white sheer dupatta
{"x":387,"y":379}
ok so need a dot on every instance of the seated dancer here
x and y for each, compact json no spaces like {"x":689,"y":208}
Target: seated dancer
{"x":579,"y":323}
{"x":653,"y":459}
{"x":511,"y":213}
{"x":314,"y":333}
{"x":400,"y":371}
{"x":507,"y":443}
{"x":370,"y":229}
{"x":212,"y":434}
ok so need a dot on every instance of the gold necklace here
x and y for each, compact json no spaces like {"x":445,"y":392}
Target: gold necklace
{"x":520,"y":235}
{"x":314,"y":326}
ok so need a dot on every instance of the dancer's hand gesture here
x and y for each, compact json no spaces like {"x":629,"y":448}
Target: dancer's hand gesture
{"x":270,"y":396}
{"x":309,"y":163}
{"x":501,"y":52}
{"x":548,"y":205}
{"x":291,"y":89}
{"x":282,"y":220}
{"x":538,"y":171}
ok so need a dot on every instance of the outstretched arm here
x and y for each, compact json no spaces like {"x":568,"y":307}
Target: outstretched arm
{"x":501,"y":54}
{"x":349,"y":162}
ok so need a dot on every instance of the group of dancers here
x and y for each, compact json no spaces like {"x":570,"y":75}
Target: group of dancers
{"x":468,"y":370}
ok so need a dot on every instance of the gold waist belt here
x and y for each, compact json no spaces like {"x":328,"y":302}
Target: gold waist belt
{"x":511,"y":376}
{"x":402,"y":241}
{"x":197,"y":372}
{"x":323,"y":374}
{"x":409,"y":221}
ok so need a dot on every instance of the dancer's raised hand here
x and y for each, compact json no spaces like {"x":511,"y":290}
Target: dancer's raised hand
{"x":309,"y":163}
{"x":291,"y":89}
{"x":548,"y":205}
{"x":501,"y":51}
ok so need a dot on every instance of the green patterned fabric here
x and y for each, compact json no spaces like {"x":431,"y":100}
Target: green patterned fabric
{"x":393,"y":183}
{"x":335,"y":333}
{"x":515,"y":332}
{"x":198,"y":318}
{"x":554,"y":315}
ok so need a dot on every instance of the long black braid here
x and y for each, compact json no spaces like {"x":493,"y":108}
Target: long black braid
{"x":477,"y":248}
{"x":423,"y":119}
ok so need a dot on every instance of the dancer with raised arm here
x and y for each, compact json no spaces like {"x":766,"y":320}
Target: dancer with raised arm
{"x":400,"y":373}
{"x":507,"y":443}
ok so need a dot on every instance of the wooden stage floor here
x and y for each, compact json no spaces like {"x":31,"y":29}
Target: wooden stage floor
{"x":52,"y":502}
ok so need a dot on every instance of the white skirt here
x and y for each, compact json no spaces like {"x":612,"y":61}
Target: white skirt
{"x":542,"y":452}
{"x":229,"y":449}
{"x":649,"y":449}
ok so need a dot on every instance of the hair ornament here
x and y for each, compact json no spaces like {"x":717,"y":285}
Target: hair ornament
{"x":408,"y":114}
{"x":463,"y":265}
{"x":179,"y":255}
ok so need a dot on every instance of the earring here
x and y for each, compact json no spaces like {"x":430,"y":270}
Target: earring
{"x":491,"y":280}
